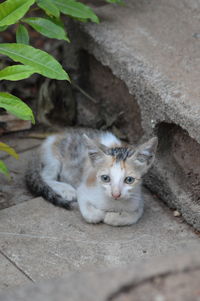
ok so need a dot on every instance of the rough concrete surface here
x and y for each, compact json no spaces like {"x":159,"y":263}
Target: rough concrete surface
{"x":153,"y":46}
{"x":156,"y":42}
{"x":45,"y":241}
{"x":165,"y":279}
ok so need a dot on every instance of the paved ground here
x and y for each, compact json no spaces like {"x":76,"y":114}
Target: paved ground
{"x":43,"y":241}
{"x":39,"y":240}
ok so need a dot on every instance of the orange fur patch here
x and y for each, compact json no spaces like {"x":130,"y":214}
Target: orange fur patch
{"x":122,"y":164}
{"x":113,"y":161}
{"x":91,"y":179}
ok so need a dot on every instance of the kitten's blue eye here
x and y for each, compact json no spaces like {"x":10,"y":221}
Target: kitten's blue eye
{"x":129,"y":180}
{"x":105,"y":178}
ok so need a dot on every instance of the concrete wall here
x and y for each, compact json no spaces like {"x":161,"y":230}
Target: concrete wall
{"x":140,"y":64}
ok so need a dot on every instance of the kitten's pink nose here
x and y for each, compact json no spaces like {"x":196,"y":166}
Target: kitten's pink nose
{"x":116,"y":195}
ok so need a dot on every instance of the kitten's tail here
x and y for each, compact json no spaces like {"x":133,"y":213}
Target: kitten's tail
{"x":38,"y":187}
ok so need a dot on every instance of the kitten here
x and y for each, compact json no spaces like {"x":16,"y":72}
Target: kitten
{"x":96,"y":169}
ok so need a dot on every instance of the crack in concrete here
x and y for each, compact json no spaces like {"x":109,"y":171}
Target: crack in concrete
{"x":16,"y":266}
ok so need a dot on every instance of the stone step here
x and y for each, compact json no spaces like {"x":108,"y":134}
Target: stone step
{"x":144,"y":59}
{"x":42,"y":241}
{"x":165,"y":278}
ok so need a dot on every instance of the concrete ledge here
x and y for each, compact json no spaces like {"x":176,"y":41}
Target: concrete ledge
{"x":153,"y":48}
{"x":171,"y":278}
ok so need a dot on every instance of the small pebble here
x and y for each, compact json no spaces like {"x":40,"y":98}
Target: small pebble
{"x":176,"y":213}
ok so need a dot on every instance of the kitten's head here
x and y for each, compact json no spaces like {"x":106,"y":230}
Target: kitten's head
{"x":118,"y":170}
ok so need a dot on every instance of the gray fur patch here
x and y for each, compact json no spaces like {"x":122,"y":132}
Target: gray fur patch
{"x":38,"y":187}
{"x":120,"y":153}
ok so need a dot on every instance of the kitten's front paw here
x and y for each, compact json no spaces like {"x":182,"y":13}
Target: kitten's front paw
{"x":70,"y":195}
{"x":67,"y":192}
{"x":121,"y":218}
{"x":92,"y":214}
{"x":112,"y":218}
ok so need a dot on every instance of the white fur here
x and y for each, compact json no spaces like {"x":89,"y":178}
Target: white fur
{"x":117,"y":179}
{"x":51,"y":170}
{"x":123,"y":218}
{"x":108,"y":139}
{"x":96,"y":207}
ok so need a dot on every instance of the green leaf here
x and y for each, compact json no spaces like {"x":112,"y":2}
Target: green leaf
{"x":115,"y":1}
{"x":22,"y":35}
{"x":76,"y":10}
{"x":42,"y":62}
{"x":2,"y":28}
{"x":16,"y":106}
{"x":16,"y":72}
{"x":57,"y":21}
{"x":47,"y":28}
{"x":4,"y":169}
{"x":81,"y":20}
{"x":13,"y":10}
{"x":49,"y":7}
{"x":6,"y":148}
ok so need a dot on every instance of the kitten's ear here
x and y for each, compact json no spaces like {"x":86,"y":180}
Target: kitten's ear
{"x":95,"y":151}
{"x":144,"y":155}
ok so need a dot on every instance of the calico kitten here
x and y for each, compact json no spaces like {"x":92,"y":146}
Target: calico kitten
{"x":96,"y":169}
